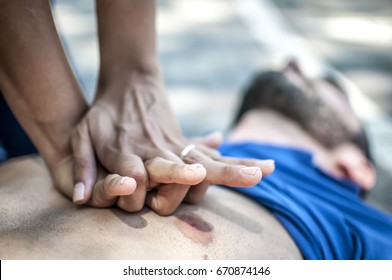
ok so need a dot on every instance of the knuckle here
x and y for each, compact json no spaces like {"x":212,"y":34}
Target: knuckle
{"x":227,"y":171}
{"x":80,"y":163}
{"x":149,"y":163}
{"x":78,"y":132}
{"x":165,"y":211}
{"x":139,"y":176}
{"x":137,"y":206}
{"x":134,"y":171}
{"x":172,"y":173}
{"x":152,"y":162}
{"x":162,"y":207}
{"x":98,"y":201}
{"x":134,"y":206}
{"x":109,"y":183}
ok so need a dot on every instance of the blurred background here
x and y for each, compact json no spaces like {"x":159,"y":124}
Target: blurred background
{"x":209,"y":50}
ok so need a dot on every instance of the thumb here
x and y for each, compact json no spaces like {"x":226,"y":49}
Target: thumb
{"x":84,"y":164}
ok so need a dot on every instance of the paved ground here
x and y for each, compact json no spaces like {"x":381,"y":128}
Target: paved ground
{"x":209,"y":50}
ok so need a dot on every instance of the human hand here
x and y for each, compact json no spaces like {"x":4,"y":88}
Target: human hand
{"x":105,"y":191}
{"x":133,"y":132}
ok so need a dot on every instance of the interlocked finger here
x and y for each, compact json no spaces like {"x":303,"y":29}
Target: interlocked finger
{"x":221,"y":173}
{"x":132,"y":166}
{"x":267,"y":166}
{"x":232,"y":175}
{"x":166,"y":198}
{"x":163,"y":171}
{"x":196,"y":193}
{"x":107,"y":190}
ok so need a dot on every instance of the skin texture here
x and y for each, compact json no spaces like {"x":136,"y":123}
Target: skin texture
{"x":100,"y":156}
{"x":37,"y":222}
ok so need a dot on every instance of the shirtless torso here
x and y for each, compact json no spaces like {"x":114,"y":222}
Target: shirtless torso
{"x":37,"y":222}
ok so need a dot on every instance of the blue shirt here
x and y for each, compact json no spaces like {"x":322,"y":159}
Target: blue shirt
{"x":325,"y":216}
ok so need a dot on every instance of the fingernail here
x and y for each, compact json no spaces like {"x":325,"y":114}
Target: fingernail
{"x":269,"y":162}
{"x":194,"y":167}
{"x":123,"y":180}
{"x":252,"y":171}
{"x":79,"y":192}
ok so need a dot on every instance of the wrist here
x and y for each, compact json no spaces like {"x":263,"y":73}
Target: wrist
{"x":53,"y":140}
{"x":49,"y":125}
{"x":111,"y":87}
{"x":116,"y":65}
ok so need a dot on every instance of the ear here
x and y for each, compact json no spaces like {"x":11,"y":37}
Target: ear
{"x":355,"y":166}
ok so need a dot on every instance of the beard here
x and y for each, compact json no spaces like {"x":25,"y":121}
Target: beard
{"x":271,"y":90}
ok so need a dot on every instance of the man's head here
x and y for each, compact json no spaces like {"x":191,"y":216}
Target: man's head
{"x":321,"y":109}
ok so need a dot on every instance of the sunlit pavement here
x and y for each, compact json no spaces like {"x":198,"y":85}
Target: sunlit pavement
{"x":210,"y":49}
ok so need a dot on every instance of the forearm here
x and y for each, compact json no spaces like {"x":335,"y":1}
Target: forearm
{"x":127,"y":39}
{"x":35,"y":77}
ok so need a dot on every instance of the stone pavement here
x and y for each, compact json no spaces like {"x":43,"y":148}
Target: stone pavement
{"x":210,"y":49}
